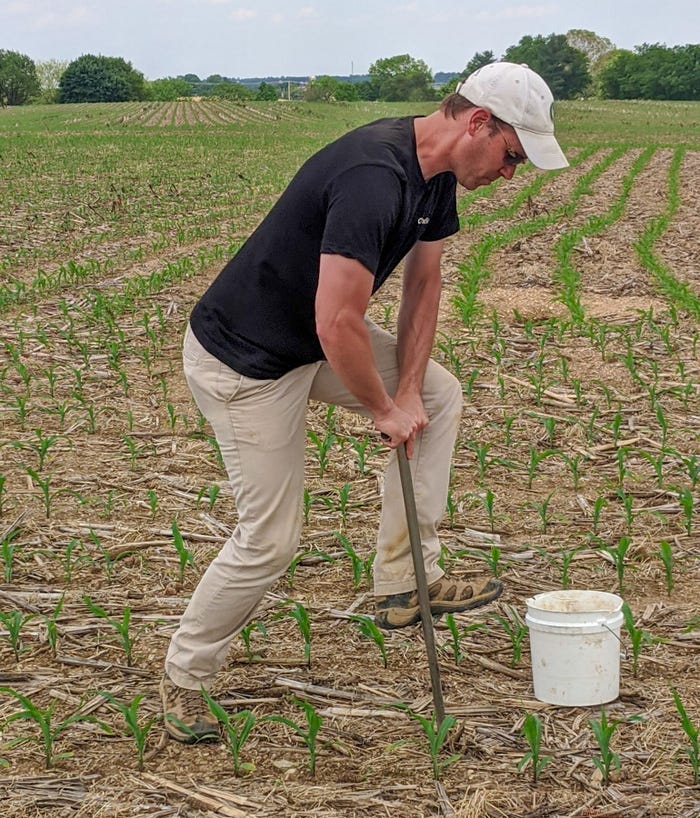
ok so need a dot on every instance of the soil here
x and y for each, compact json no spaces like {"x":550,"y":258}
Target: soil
{"x":119,"y":477}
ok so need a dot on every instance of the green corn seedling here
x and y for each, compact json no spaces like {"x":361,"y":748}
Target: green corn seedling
{"x":535,"y":458}
{"x":360,"y":567}
{"x":666,"y":555}
{"x":516,"y":630}
{"x":344,"y":504}
{"x":49,"y":730}
{"x":687,"y":503}
{"x":121,"y":626}
{"x":493,"y":560}
{"x":44,"y":484}
{"x":488,"y":500}
{"x":69,"y":563}
{"x":237,"y":728}
{"x":436,"y":735}
{"x":51,"y":624}
{"x":663,"y":424}
{"x":40,"y":447}
{"x":542,"y":508}
{"x":321,"y":449}
{"x":638,"y":637}
{"x":13,"y":622}
{"x":621,"y":458}
{"x":367,"y":627}
{"x":457,"y":634}
{"x":657,"y":464}
{"x":105,"y":553}
{"x":301,"y":616}
{"x":309,"y":735}
{"x":137,"y":730}
{"x":7,"y":552}
{"x":532,"y":733}
{"x":152,"y":502}
{"x":603,"y":731}
{"x":185,"y":556}
{"x":598,"y":506}
{"x":692,"y":466}
{"x":364,"y":449}
{"x":246,"y":633}
{"x":308,"y":502}
{"x":693,"y":734}
{"x":618,"y":555}
{"x":574,"y":464}
{"x":550,"y":425}
{"x":481,"y":451}
{"x":448,"y":348}
{"x":451,"y":505}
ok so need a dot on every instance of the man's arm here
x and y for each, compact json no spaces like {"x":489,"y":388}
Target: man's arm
{"x":422,"y":285}
{"x":344,"y":290}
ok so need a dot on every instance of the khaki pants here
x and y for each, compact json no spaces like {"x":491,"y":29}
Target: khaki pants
{"x":260,"y":428}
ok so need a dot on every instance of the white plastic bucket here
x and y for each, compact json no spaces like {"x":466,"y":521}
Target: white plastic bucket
{"x":575,"y":646}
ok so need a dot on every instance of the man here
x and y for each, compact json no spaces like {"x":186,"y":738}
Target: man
{"x":285,"y":322}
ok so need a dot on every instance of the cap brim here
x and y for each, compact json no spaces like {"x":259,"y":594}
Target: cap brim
{"x":542,"y":149}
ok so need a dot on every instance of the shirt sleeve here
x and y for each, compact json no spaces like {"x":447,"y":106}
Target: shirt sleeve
{"x":362,"y":207}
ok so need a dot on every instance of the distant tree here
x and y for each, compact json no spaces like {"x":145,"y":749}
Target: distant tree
{"x":616,"y":77}
{"x":49,"y":74}
{"x":590,"y":43}
{"x":402,"y":78}
{"x":652,"y":72}
{"x":322,"y":89}
{"x":449,"y":87}
{"x":347,"y":92}
{"x":189,"y":78}
{"x":231,"y":90}
{"x":214,"y":79}
{"x":101,"y":79}
{"x":564,"y":69}
{"x":267,"y":92}
{"x":168,"y":89}
{"x":479,"y":59}
{"x":330,"y":89}
{"x":367,"y":90}
{"x":18,"y":78}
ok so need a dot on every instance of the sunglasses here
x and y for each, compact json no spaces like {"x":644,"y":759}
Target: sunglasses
{"x":511,"y":158}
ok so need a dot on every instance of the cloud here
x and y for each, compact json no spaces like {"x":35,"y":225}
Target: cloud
{"x":242,"y":15}
{"x":72,"y":17}
{"x":518,"y":12}
{"x":307,"y":12}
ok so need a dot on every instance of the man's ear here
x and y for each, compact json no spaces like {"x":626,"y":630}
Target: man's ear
{"x":478,"y":118}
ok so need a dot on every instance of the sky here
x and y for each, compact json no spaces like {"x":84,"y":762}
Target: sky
{"x":266,"y":38}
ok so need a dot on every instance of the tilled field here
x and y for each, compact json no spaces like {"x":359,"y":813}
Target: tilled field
{"x":570,"y":314}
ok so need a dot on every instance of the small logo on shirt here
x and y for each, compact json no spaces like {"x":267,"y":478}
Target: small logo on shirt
{"x":423,"y":219}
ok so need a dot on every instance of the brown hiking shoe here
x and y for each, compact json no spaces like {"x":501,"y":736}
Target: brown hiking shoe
{"x":186,"y":715}
{"x":446,"y":596}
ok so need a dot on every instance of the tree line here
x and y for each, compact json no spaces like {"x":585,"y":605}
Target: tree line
{"x":576,"y":64}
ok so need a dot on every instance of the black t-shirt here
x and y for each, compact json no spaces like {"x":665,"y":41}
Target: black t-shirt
{"x":363,"y":197}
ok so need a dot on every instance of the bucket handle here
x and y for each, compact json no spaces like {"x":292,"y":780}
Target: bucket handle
{"x":623,"y":652}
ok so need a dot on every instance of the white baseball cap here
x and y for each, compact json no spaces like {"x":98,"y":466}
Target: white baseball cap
{"x":520,"y":97}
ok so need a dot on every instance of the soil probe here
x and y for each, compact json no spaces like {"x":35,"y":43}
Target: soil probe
{"x":409,"y":499}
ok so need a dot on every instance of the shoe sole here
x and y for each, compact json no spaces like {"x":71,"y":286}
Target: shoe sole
{"x":493,"y":590}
